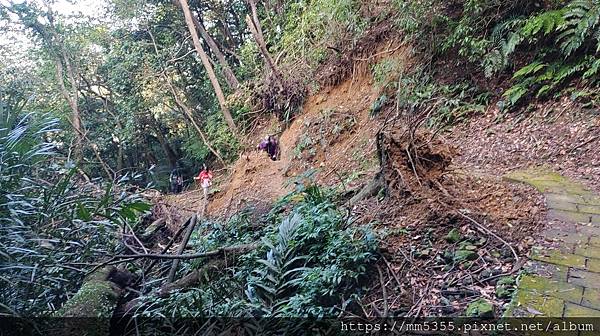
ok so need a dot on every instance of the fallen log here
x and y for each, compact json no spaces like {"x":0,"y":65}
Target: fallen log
{"x":96,"y":300}
{"x":219,"y":251}
{"x":153,"y":228}
{"x":181,"y":248}
{"x":98,"y":295}
{"x":165,"y":249}
{"x":191,"y":279}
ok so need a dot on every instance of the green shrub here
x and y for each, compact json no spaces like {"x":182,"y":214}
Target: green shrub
{"x":308,"y":262}
{"x":53,"y":225}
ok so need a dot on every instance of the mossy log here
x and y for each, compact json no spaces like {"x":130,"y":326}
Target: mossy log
{"x":92,"y":307}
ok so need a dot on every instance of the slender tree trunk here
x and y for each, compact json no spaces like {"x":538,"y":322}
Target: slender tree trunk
{"x":120,"y":158}
{"x":232,"y":81}
{"x":227,"y":72}
{"x":186,"y":110}
{"x":237,"y":23}
{"x":255,"y":19}
{"x":223,"y":27}
{"x":164,"y":143}
{"x":72,"y":99}
{"x":209,"y":69}
{"x":256,"y":30}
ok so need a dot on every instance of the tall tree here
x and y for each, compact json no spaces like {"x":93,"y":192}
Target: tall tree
{"x":55,"y":46}
{"x":208,"y":66}
{"x":232,"y":81}
{"x":256,"y":30}
{"x":182,"y":105}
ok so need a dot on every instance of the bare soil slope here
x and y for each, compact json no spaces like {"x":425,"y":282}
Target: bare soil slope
{"x":333,"y":134}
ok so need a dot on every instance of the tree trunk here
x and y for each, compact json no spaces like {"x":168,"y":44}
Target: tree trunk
{"x":239,"y":38}
{"x":209,"y":69}
{"x":186,"y":110}
{"x":227,"y":72}
{"x":164,"y":143}
{"x":232,"y":81}
{"x":72,"y":99}
{"x":256,"y":30}
{"x":184,"y":243}
{"x":120,"y":158}
{"x":228,"y":38}
{"x":101,"y":288}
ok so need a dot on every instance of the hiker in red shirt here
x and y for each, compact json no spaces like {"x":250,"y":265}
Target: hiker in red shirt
{"x":205,"y":178}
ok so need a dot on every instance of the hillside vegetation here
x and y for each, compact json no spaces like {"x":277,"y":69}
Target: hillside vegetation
{"x":396,"y":121}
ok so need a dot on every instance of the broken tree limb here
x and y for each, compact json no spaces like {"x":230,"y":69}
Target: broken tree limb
{"x":184,"y":243}
{"x":488,"y":231}
{"x":153,"y":228}
{"x":166,"y":248}
{"x":219,"y":251}
{"x":193,"y":278}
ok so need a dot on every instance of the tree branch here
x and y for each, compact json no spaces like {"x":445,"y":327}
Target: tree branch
{"x":222,"y":250}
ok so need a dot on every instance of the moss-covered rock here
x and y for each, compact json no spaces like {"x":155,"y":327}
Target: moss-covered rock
{"x":463,"y":255}
{"x":453,"y":236}
{"x":505,"y":287}
{"x":480,"y":308}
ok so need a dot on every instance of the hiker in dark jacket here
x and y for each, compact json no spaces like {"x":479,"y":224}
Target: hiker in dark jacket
{"x":176,"y":181}
{"x":270,"y":145}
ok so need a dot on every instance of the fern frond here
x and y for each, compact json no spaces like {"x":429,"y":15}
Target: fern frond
{"x":593,"y":69}
{"x":546,"y":22}
{"x":267,"y":289}
{"x":502,"y":29}
{"x":530,"y":69}
{"x":508,"y":47}
{"x":581,"y":20}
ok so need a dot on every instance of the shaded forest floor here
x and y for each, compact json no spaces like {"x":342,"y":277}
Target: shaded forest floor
{"x":449,"y":237}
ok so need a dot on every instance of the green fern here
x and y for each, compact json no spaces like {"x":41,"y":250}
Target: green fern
{"x":529,"y":70}
{"x":593,"y":69}
{"x":581,"y":21}
{"x":515,"y":93}
{"x":266,"y":290}
{"x":545,"y":22}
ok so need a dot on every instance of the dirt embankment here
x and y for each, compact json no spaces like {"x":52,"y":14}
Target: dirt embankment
{"x":333,"y":134}
{"x":433,"y":213}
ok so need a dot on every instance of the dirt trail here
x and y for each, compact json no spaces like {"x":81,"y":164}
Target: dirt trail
{"x":334,"y":134}
{"x":258,"y":181}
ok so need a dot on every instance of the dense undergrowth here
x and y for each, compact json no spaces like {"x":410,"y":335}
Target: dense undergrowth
{"x":309,"y":263}
{"x":54,"y":225}
{"x":535,"y":50}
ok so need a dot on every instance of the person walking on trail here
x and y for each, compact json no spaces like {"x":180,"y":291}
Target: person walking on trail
{"x":205,"y":178}
{"x":176,"y":181}
{"x":269,"y":144}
